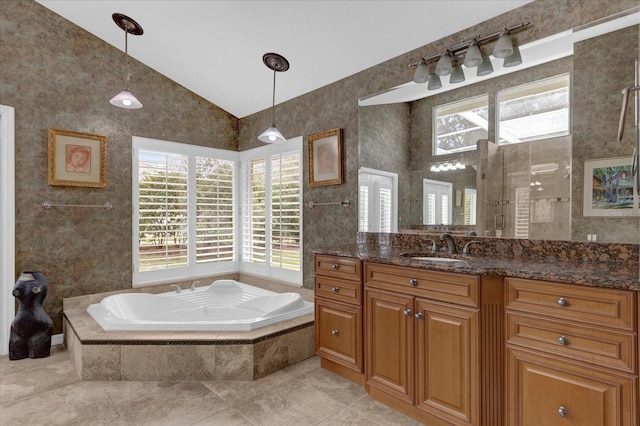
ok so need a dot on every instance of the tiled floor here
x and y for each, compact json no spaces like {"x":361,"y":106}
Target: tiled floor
{"x":47,"y":392}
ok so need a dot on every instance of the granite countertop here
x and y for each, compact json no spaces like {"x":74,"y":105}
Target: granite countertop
{"x":618,"y":275}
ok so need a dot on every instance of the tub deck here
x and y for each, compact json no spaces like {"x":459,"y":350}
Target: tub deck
{"x":182,"y":356}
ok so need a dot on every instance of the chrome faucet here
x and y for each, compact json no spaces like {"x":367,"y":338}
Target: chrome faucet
{"x":451,"y":244}
{"x":466,"y":249}
{"x":178,"y":289}
{"x":434,"y":246}
{"x":193,"y":285}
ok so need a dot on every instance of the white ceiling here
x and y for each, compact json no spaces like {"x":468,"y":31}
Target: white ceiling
{"x":215,"y":48}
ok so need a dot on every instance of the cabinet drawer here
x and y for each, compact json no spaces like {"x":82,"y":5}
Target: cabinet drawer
{"x":345,"y":268}
{"x":545,"y":391}
{"x":595,"y":306}
{"x":344,"y":291}
{"x":605,"y":348}
{"x":339,"y":333}
{"x":447,"y":287}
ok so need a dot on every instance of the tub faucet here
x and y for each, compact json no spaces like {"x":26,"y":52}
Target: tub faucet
{"x":193,"y":285}
{"x":451,"y":244}
{"x":178,"y":289}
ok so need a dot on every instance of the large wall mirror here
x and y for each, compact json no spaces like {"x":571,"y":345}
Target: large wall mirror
{"x":505,"y":155}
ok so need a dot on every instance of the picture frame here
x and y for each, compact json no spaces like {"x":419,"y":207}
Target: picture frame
{"x":325,"y":158}
{"x":608,"y":188}
{"x":458,"y":198}
{"x":77,"y":159}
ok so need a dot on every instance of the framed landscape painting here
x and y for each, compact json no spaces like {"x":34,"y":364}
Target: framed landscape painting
{"x":608,"y":188}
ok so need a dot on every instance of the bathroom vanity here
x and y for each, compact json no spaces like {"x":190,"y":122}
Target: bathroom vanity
{"x":483,"y":340}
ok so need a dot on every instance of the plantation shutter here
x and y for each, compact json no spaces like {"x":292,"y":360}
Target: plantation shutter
{"x":254,"y":211}
{"x":286,"y":218}
{"x":385,"y":209}
{"x":363,"y":209}
{"x":214,"y":210}
{"x":163,"y":210}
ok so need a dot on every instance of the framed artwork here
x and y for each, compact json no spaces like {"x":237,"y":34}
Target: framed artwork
{"x":458,"y":198}
{"x":77,"y":159}
{"x":325,"y":158}
{"x":608,"y":188}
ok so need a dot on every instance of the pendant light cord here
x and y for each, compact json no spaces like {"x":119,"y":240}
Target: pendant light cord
{"x":126,"y":60}
{"x":273,"y":100}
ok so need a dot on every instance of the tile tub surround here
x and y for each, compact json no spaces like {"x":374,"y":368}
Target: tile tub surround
{"x":184,"y":356}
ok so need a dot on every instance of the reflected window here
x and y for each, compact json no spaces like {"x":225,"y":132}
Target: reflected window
{"x":534,"y":111}
{"x":437,"y":198}
{"x":470,"y":212}
{"x":459,"y":125}
{"x":377,"y":202}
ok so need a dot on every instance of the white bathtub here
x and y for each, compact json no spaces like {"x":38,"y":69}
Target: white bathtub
{"x":225,"y":305}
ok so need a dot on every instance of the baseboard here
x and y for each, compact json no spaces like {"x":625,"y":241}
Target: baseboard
{"x":57,"y":339}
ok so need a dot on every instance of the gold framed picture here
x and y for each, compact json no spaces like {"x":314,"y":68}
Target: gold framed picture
{"x":325,"y":158}
{"x":77,"y":159}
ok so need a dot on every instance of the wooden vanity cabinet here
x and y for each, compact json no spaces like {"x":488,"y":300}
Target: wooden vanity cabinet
{"x":571,"y":355}
{"x":339,"y":315}
{"x":424,"y":344}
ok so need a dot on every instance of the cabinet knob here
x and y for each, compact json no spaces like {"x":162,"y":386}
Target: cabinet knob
{"x":562,"y":412}
{"x":407,"y":312}
{"x":413,"y":282}
{"x":418,"y":315}
{"x":563,"y":340}
{"x":334,"y":266}
{"x":335,"y":289}
{"x":335,"y":332}
{"x":562,"y":301}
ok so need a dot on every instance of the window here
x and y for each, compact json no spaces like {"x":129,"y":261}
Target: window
{"x":534,"y":111}
{"x":184,"y":210}
{"x":272,"y":214}
{"x":378,"y":203}
{"x":437,"y":198}
{"x":459,"y":125}
{"x":470,"y":206}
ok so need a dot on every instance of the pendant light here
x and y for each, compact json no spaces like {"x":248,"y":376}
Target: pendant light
{"x":504,"y":46}
{"x":277,"y":63}
{"x":422,"y":73}
{"x":125,"y":98}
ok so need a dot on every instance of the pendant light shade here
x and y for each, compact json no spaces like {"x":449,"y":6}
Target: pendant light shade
{"x":503,"y":47}
{"x":422,"y":73}
{"x":443,"y":67}
{"x":513,"y":60}
{"x":277,"y":63}
{"x":473,"y":57}
{"x":125,"y":98}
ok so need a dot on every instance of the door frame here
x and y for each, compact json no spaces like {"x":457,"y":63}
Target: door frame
{"x":7,"y":223}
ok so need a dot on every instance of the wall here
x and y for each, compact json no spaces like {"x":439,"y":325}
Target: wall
{"x":336,"y":105}
{"x":58,"y":75}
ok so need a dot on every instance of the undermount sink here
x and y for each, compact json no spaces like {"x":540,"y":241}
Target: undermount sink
{"x":437,"y":259}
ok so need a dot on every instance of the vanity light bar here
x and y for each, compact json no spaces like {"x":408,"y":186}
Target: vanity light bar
{"x":445,"y":167}
{"x":460,"y":48}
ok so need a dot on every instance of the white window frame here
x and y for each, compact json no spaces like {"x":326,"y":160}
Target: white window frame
{"x":428,"y":186}
{"x":288,"y":276}
{"x":463,"y":108}
{"x":193,"y":270}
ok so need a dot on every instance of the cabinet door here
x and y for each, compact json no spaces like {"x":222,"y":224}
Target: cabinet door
{"x":339,"y":333}
{"x":448,"y":363}
{"x":389,"y":343}
{"x":550,"y":392}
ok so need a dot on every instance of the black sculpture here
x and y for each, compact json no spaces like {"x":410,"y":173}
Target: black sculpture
{"x":31,"y":328}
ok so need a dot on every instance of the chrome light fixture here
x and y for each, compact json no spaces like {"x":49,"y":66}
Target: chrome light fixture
{"x":277,"y":63}
{"x":125,"y":98}
{"x":469,"y":52}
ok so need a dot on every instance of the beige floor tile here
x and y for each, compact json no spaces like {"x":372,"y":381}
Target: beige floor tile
{"x":229,"y":417}
{"x":7,"y":366}
{"x":31,"y":382}
{"x":172,"y":403}
{"x":380,"y":413}
{"x":348,"y":417}
{"x":72,"y":404}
